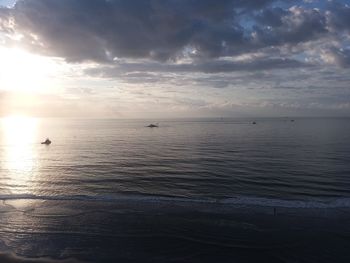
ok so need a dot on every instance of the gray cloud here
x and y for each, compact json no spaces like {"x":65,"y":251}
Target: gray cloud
{"x":339,"y":16}
{"x":100,"y":30}
{"x":285,"y":53}
{"x":340,"y":57}
{"x":271,"y":16}
{"x":5,"y":22}
{"x":290,"y":26}
{"x":212,"y":66}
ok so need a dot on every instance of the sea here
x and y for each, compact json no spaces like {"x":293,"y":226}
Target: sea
{"x":189,"y":190}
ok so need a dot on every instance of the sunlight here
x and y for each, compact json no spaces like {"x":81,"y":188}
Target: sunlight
{"x":20,"y":155}
{"x":22,"y":71}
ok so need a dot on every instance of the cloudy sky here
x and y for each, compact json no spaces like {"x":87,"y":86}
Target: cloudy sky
{"x":174,"y":58}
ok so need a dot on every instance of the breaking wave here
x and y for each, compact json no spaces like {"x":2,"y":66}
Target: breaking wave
{"x":235,"y":201}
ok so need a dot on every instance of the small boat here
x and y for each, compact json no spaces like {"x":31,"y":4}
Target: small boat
{"x":152,"y":125}
{"x":47,"y":142}
{"x":253,"y":122}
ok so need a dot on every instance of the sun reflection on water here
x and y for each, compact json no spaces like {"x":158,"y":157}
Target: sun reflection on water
{"x":19,"y":161}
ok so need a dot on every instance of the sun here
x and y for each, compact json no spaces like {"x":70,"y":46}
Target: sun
{"x":21,"y":71}
{"x":18,"y":129}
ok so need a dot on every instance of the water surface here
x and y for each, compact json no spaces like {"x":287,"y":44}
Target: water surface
{"x":191,"y":189}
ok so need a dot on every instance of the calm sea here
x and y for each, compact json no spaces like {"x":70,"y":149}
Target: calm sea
{"x":194,"y":190}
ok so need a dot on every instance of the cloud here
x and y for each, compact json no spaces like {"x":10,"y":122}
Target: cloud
{"x":163,"y":30}
{"x":209,"y":67}
{"x":338,"y":56}
{"x":339,"y":16}
{"x":290,"y":26}
{"x":276,"y":51}
{"x":5,"y":20}
{"x":100,"y":30}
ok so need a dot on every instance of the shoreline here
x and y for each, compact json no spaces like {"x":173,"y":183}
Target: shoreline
{"x":134,"y":231}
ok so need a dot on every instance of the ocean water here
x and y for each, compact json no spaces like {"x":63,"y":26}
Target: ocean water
{"x":192,"y":190}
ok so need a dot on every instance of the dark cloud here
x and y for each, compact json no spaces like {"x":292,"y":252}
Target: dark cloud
{"x":258,"y":64}
{"x":171,"y":30}
{"x":339,"y":16}
{"x":290,"y":26}
{"x":271,"y":16}
{"x":100,"y":30}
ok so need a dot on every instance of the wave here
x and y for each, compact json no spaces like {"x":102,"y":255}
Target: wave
{"x":235,"y":201}
{"x":12,"y":258}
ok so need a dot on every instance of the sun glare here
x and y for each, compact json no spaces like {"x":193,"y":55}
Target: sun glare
{"x":22,"y":71}
{"x":20,"y":156}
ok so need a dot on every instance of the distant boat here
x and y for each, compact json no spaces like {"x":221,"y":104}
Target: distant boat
{"x":47,"y":142}
{"x":153,"y":125}
{"x":292,"y":120}
{"x":253,"y":122}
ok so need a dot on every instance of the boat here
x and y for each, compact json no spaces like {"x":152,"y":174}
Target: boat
{"x":153,"y":125}
{"x":46,"y":142}
{"x":253,"y":122}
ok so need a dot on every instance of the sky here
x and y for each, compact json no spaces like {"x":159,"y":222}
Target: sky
{"x":174,"y":58}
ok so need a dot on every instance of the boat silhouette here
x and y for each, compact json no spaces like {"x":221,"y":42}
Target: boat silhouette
{"x":153,"y":125}
{"x":46,"y":142}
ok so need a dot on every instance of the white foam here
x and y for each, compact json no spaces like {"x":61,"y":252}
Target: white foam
{"x":235,"y":201}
